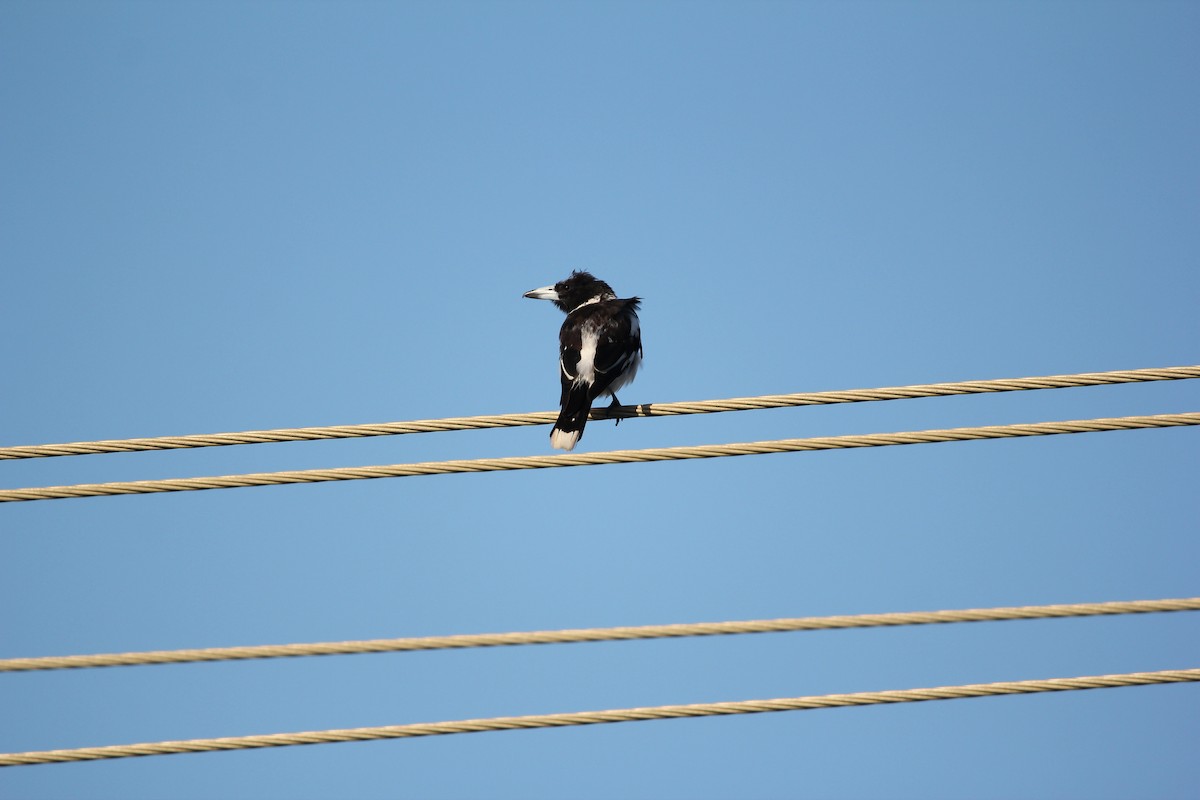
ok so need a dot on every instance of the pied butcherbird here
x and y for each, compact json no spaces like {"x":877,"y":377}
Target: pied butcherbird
{"x":599,"y":349}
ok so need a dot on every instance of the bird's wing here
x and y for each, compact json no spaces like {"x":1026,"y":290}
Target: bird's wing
{"x":569,"y":351}
{"x":620,"y":340}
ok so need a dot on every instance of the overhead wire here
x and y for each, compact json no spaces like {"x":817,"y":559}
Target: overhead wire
{"x":600,"y":717}
{"x":574,"y":635}
{"x":603,"y":457}
{"x":621,"y":412}
{"x":600,"y":634}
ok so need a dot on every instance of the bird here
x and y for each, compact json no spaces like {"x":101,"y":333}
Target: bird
{"x":599,"y":348}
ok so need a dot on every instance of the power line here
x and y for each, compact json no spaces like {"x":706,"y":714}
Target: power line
{"x":462,"y":641}
{"x":644,"y":410}
{"x":607,"y":457}
{"x":600,"y":717}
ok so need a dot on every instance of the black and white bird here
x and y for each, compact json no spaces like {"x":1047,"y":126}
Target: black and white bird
{"x":599,"y":347}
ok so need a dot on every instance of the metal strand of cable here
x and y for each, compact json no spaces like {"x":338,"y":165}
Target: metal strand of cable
{"x":604,"y":457}
{"x":601,"y":717}
{"x":573,"y":635}
{"x":644,"y":410}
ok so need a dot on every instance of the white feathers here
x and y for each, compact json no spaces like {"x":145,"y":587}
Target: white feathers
{"x":596,"y":299}
{"x":564,"y":440}
{"x":585,"y":370}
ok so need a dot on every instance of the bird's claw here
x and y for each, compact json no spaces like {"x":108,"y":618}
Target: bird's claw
{"x":615,"y":405}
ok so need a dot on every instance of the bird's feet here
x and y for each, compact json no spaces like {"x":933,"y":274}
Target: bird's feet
{"x":615,"y":405}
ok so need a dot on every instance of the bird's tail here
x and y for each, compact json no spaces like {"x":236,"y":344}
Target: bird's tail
{"x":574,"y":415}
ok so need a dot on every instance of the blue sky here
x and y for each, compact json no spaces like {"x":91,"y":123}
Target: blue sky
{"x":230,"y":216}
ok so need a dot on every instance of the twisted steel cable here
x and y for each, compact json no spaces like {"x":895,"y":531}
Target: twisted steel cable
{"x":572,"y":635}
{"x":590,"y":459}
{"x":645,"y":410}
{"x":600,"y":717}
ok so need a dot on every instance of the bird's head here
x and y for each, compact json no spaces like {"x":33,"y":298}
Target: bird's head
{"x":572,"y":292}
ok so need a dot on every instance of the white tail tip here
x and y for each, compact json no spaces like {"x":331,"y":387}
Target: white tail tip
{"x":563,"y":440}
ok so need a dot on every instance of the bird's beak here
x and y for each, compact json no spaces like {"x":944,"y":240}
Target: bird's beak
{"x":545,"y":293}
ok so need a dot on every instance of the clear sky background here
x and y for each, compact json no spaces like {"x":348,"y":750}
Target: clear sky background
{"x":229,"y":216}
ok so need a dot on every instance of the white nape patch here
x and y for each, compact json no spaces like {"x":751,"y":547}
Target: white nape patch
{"x":595,"y":299}
{"x":563,"y":440}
